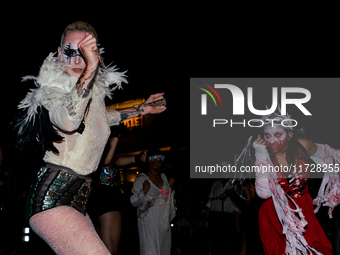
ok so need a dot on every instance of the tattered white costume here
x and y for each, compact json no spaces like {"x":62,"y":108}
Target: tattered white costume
{"x":155,"y":210}
{"x":293,"y":226}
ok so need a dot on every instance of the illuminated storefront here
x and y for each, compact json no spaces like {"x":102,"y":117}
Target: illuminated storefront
{"x":140,"y":134}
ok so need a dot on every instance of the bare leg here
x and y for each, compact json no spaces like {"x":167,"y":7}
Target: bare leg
{"x":67,"y":231}
{"x":110,"y":227}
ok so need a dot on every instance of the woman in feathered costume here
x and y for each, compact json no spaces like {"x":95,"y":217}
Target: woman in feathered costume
{"x":287,"y":221}
{"x":66,"y":118}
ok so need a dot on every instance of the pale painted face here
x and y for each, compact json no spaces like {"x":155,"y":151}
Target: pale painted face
{"x":70,"y":54}
{"x":276,"y":138}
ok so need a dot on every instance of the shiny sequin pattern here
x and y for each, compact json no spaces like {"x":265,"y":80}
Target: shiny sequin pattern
{"x":109,"y":175}
{"x":56,"y":186}
{"x":31,"y":195}
{"x":80,"y":200}
{"x":57,"y":189}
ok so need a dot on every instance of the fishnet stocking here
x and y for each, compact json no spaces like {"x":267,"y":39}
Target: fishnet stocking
{"x":67,"y":231}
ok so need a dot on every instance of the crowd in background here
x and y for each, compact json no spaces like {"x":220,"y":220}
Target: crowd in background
{"x":188,"y":234}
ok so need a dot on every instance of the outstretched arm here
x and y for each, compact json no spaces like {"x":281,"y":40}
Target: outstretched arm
{"x":115,"y":116}
{"x":127,"y":160}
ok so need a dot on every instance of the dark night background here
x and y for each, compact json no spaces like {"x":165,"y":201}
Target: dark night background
{"x":148,"y":53}
{"x":161,"y":53}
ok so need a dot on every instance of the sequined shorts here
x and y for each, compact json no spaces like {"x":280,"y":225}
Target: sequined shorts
{"x":55,"y":186}
{"x":104,"y":199}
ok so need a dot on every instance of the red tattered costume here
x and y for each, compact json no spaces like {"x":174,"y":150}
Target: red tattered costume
{"x":287,"y":221}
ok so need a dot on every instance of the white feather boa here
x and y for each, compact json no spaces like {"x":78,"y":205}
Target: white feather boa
{"x":54,"y":82}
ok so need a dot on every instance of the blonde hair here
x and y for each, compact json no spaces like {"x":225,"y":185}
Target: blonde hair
{"x":78,"y":26}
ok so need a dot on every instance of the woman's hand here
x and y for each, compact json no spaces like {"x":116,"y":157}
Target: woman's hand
{"x":143,"y":157}
{"x":260,"y":147}
{"x":88,"y":48}
{"x":153,"y":109}
{"x":260,"y":141}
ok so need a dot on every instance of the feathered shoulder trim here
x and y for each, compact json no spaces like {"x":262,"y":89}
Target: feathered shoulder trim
{"x":31,"y":130}
{"x":54,"y":83}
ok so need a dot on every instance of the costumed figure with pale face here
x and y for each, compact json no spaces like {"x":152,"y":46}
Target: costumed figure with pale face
{"x":284,"y":159}
{"x":153,"y":195}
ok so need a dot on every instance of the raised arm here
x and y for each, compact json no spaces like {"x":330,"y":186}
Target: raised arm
{"x":88,"y":48}
{"x":111,"y":151}
{"x":69,"y":114}
{"x":115,"y":116}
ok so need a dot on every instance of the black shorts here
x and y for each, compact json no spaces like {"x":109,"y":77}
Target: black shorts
{"x":104,"y":199}
{"x":55,"y":186}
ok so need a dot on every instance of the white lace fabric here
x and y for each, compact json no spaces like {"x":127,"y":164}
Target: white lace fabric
{"x":67,"y":113}
{"x":113,"y":117}
{"x":56,"y":92}
{"x":81,"y":152}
